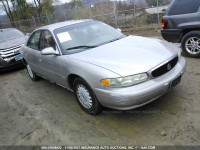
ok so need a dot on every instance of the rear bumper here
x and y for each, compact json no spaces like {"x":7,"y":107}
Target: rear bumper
{"x":171,"y":35}
{"x":9,"y":66}
{"x":142,"y":94}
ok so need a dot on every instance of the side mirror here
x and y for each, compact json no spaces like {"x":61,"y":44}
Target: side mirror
{"x":118,"y":29}
{"x":49,"y":51}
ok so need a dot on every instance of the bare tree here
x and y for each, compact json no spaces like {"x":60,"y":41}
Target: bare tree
{"x":22,"y":5}
{"x":14,"y":8}
{"x":38,"y":6}
{"x":6,"y":8}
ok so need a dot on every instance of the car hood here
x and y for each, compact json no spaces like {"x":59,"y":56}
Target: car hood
{"x":130,"y":55}
{"x":13,"y":42}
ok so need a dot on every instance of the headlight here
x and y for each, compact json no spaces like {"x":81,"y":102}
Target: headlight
{"x":125,"y":81}
{"x":20,"y":50}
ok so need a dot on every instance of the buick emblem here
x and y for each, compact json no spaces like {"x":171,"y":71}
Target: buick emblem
{"x":169,"y":67}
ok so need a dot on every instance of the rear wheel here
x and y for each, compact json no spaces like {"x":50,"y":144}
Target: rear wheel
{"x":31,"y":74}
{"x":86,"y":97}
{"x":191,"y":44}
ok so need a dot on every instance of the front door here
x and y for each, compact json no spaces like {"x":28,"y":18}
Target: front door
{"x":49,"y":64}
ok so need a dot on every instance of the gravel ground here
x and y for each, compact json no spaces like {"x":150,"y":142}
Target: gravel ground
{"x":41,"y":113}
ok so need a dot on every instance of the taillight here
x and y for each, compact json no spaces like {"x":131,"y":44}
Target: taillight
{"x":164,"y":23}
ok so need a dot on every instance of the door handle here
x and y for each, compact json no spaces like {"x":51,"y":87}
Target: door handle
{"x":40,"y":59}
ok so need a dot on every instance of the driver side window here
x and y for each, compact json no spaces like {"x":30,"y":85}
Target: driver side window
{"x":46,"y":40}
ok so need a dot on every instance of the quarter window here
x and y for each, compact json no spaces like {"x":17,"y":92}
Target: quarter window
{"x":34,"y":40}
{"x":184,"y":7}
{"x":46,"y":40}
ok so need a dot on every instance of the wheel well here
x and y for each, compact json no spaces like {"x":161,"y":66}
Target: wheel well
{"x":185,"y":31}
{"x":71,"y":79}
{"x":24,"y":61}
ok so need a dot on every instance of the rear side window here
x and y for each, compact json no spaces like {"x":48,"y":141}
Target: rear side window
{"x":184,"y":7}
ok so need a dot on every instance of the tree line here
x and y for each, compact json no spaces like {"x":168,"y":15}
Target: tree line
{"x":21,"y":9}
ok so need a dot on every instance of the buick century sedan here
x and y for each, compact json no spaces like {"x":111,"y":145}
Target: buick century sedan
{"x":102,"y":66}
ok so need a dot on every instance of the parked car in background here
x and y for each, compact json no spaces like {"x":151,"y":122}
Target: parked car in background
{"x":11,"y":40}
{"x":103,"y":66}
{"x":181,"y":24}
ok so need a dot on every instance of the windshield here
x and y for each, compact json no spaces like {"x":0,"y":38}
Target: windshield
{"x":10,"y":34}
{"x":86,"y":35}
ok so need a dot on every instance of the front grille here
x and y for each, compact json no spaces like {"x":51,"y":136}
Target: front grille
{"x":9,"y":54}
{"x":165,"y":68}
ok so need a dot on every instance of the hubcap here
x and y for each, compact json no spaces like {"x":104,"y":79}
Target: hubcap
{"x":30,"y":71}
{"x":84,"y":96}
{"x":193,"y":45}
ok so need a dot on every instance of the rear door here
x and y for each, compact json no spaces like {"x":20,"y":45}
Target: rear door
{"x":32,"y":50}
{"x":184,"y":14}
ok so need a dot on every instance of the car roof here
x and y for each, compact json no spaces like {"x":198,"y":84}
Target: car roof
{"x":54,"y":26}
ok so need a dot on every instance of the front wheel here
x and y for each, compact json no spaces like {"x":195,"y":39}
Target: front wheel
{"x":31,"y":74}
{"x":86,"y":97}
{"x":191,"y":44}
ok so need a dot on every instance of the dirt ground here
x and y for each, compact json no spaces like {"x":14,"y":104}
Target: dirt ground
{"x":147,"y":31}
{"x":41,"y":113}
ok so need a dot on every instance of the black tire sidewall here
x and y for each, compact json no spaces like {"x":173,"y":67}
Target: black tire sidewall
{"x":185,"y":38}
{"x":96,"y":106}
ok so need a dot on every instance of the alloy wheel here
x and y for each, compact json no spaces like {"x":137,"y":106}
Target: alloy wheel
{"x":192,"y":45}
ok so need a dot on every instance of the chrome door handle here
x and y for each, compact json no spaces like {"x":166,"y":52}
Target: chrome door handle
{"x":40,"y":60}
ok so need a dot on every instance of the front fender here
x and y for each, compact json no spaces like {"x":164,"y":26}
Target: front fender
{"x":92,"y":74}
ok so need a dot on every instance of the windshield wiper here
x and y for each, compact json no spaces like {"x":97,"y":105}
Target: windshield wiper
{"x":81,"y":46}
{"x":115,"y":39}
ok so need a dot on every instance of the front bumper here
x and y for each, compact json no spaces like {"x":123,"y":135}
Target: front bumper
{"x":8,"y":66}
{"x":142,"y":94}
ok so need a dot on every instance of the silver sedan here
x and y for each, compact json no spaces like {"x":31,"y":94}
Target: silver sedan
{"x":102,"y":66}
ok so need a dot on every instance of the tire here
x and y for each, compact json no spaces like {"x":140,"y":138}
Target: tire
{"x":86,"y":97}
{"x":31,"y":74}
{"x":191,"y":44}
